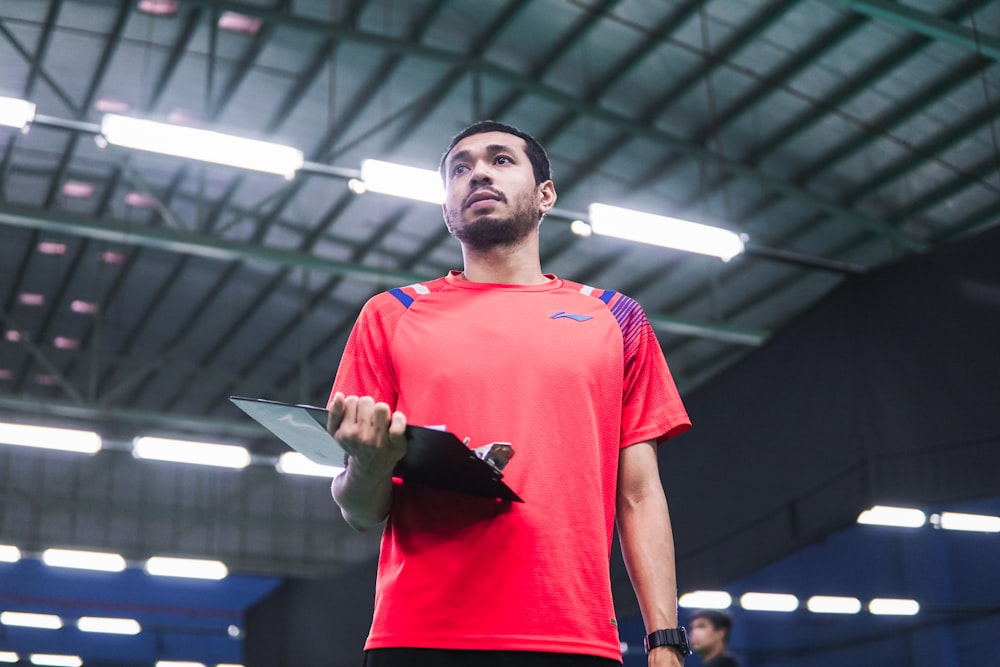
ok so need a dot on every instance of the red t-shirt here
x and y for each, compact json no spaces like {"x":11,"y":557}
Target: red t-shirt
{"x":567,"y":374}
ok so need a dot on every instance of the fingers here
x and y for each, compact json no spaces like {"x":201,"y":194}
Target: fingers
{"x":335,"y":413}
{"x":398,"y":425}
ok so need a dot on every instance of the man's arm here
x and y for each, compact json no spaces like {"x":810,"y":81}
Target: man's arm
{"x":647,"y":543}
{"x":375,"y":442}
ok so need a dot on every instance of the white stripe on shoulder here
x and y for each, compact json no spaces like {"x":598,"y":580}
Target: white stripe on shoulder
{"x":420,"y":288}
{"x":587,"y":289}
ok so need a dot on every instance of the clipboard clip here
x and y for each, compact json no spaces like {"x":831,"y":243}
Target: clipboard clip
{"x":497,"y":454}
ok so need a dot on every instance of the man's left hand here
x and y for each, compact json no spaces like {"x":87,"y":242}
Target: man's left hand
{"x":664,"y":656}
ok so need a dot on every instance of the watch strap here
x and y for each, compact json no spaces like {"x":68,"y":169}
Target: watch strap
{"x":675,"y":638}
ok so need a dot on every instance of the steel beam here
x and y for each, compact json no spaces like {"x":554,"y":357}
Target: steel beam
{"x":227,"y":250}
{"x":932,"y":26}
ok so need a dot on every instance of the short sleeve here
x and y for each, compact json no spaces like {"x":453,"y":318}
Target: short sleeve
{"x":651,"y":406}
{"x":366,"y":369}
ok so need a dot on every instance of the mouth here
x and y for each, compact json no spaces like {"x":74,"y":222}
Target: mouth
{"x":488,"y":196}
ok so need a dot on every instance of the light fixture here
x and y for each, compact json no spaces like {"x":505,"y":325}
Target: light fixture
{"x":178,"y":663}
{"x":27,"y":620}
{"x":9,"y":554}
{"x":99,"y":561}
{"x":894,"y":607}
{"x":662,"y":231}
{"x":54,"y":660}
{"x":769,"y":602}
{"x":9,"y":656}
{"x":110,"y":626}
{"x":293,"y":463}
{"x":581,"y":228}
{"x":401,"y":181}
{"x":705,"y":600}
{"x":982,"y":523}
{"x":187,"y":568}
{"x":833,"y":604}
{"x":198,"y":144}
{"x":44,"y":437}
{"x":16,"y":113}
{"x":185,"y":451}
{"x":228,"y":664}
{"x":897,"y":517}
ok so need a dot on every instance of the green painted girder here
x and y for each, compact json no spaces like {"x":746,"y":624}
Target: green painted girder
{"x":930,"y":25}
{"x":186,"y":242}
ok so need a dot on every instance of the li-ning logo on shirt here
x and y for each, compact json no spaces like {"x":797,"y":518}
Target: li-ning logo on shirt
{"x":572,"y":316}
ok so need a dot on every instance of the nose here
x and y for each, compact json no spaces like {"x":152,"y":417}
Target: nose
{"x":480,"y":175}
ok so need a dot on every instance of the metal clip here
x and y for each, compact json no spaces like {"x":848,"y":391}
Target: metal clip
{"x":497,"y":454}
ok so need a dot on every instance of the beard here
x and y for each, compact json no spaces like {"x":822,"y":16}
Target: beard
{"x":488,"y":232}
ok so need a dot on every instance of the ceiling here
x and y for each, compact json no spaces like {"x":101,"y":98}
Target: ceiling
{"x":137,"y":292}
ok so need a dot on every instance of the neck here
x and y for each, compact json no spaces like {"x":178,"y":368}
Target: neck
{"x":509,"y":265}
{"x":712,"y":652}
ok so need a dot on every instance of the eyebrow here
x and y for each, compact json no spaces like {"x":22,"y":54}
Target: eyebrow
{"x":492,"y":149}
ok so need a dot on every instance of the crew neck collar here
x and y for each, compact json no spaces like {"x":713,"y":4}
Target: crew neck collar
{"x":456,"y":278}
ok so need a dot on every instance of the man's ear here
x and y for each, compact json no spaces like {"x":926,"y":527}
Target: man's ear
{"x":546,"y":196}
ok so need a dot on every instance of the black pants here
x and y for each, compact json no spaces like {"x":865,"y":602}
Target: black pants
{"x":428,"y":657}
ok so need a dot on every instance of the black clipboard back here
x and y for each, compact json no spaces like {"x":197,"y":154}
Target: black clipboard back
{"x":435,"y":458}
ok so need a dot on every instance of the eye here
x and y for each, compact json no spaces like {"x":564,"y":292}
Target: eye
{"x":458,"y":169}
{"x":504,"y":159}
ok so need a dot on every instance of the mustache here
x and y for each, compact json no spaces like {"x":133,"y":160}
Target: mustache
{"x":478,"y":191}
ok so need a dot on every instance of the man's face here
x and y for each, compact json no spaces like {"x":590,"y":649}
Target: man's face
{"x":704,"y":637}
{"x":491,"y":198}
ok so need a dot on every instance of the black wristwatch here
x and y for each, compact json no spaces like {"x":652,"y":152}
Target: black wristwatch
{"x":675,"y":638}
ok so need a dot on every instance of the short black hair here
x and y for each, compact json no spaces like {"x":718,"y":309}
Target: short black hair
{"x":720,"y":620}
{"x":536,"y":154}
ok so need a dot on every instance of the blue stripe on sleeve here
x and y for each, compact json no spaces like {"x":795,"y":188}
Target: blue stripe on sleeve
{"x":403,"y":297}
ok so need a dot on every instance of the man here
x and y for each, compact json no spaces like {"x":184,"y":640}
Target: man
{"x":710,"y":637}
{"x":572,"y":377}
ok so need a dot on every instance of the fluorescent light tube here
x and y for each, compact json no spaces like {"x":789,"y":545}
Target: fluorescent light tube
{"x":111,"y":626}
{"x":188,"y":568}
{"x":53,"y":660}
{"x":9,"y":554}
{"x":25,"y":620}
{"x":83,"y":560}
{"x":769,"y":602}
{"x":8,"y":656}
{"x":178,"y":663}
{"x":16,"y":113}
{"x":401,"y":181}
{"x":982,"y":523}
{"x":68,"y":440}
{"x":833,"y":604}
{"x":293,"y":463}
{"x":666,"y":232}
{"x":185,"y":451}
{"x":897,"y":517}
{"x":705,"y":600}
{"x":894,"y":607}
{"x":204,"y":145}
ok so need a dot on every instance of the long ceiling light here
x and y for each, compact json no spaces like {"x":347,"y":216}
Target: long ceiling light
{"x":982,"y":523}
{"x":9,"y":554}
{"x":185,"y":451}
{"x":896,"y":517}
{"x":110,"y":626}
{"x":705,"y":600}
{"x":769,"y":602}
{"x":9,"y":656}
{"x":833,"y":604}
{"x":187,"y":568}
{"x":399,"y":180}
{"x":894,"y":607}
{"x":204,"y":145}
{"x":293,"y":463}
{"x":44,"y":437}
{"x":26,"y":620}
{"x":662,"y":231}
{"x":55,"y":660}
{"x":16,"y":113}
{"x":83,"y":560}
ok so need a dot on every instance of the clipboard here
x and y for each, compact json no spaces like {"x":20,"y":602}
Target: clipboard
{"x":434,"y":458}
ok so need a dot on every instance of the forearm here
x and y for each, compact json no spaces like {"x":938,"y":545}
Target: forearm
{"x":648,"y":549}
{"x":364,"y":500}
